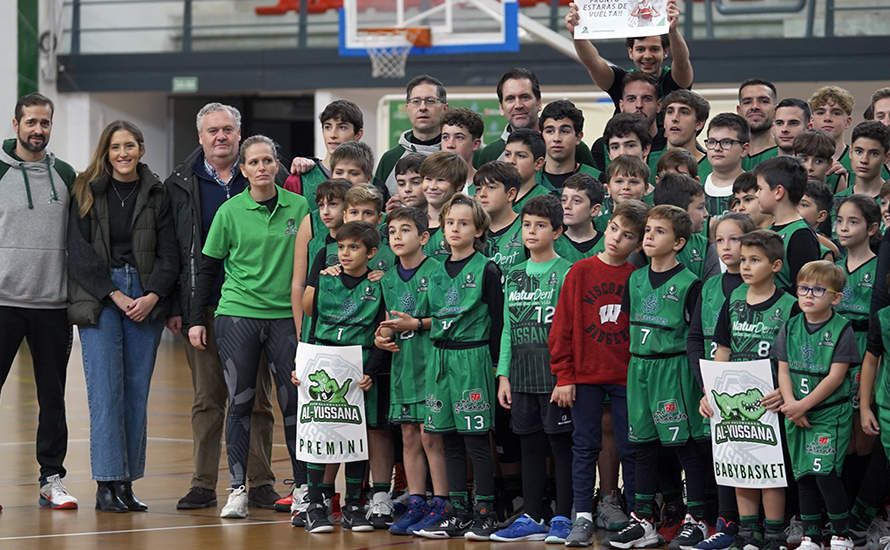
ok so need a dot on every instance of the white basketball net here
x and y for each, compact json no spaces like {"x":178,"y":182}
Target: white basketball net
{"x":388,"y":60}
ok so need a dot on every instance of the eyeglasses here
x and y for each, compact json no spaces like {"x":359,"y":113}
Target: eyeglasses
{"x":418,"y":101}
{"x":816,"y":291}
{"x":724,"y":143}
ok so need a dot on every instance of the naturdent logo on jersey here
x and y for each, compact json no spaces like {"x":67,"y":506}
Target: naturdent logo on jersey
{"x":329,"y":402}
{"x":740,"y":416}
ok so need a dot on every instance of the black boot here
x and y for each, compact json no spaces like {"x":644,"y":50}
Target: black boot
{"x":124,"y":491}
{"x":107,"y":499}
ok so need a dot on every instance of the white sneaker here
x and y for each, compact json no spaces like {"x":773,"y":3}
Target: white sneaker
{"x":806,"y":543}
{"x":54,"y":495}
{"x":380,"y":511}
{"x":877,"y":531}
{"x":841,"y":543}
{"x":236,"y":506}
{"x":300,"y":499}
{"x":886,"y":542}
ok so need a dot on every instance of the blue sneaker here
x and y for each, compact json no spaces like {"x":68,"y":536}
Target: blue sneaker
{"x":522,"y":528}
{"x":723,"y":538}
{"x":560,"y":527}
{"x":417,"y":510}
{"x":435,"y":515}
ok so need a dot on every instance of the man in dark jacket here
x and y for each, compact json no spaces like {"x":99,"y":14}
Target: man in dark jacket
{"x":197,"y":187}
{"x":34,"y":282}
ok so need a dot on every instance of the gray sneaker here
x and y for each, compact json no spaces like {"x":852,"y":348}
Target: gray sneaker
{"x":582,"y":532}
{"x":794,"y":532}
{"x":609,"y":515}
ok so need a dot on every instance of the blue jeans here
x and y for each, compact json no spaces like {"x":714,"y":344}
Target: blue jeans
{"x":118,"y":361}
{"x":587,"y":437}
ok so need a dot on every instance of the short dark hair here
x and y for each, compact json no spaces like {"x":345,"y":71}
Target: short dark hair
{"x":744,"y":182}
{"x":418,"y":217}
{"x":800,"y":104}
{"x":769,"y":242}
{"x":815,"y":143}
{"x":332,"y":189}
{"x":624,"y":124}
{"x":820,"y":194}
{"x":531,"y":138}
{"x":628,"y":165}
{"x":559,"y":109}
{"x":591,"y":186}
{"x":465,"y":118}
{"x":680,"y":221}
{"x":787,"y":172}
{"x":497,"y":171}
{"x":872,"y":129}
{"x":545,"y":206}
{"x":409,"y":163}
{"x":677,"y":189}
{"x":633,"y":212}
{"x":694,"y":101}
{"x":880,"y":93}
{"x":357,"y":152}
{"x":426,"y":79}
{"x":519,"y":73}
{"x":30,"y":100}
{"x":629,"y":42}
{"x":344,"y":111}
{"x":638,"y":76}
{"x":672,"y":158}
{"x":364,"y":232}
{"x":758,"y":82}
{"x":733,"y":122}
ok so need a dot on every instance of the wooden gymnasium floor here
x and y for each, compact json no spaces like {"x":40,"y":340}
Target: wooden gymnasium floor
{"x":23,"y":525}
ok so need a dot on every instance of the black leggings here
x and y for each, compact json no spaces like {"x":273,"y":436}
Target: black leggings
{"x":478,"y":448}
{"x":814,"y":490}
{"x":241,"y":341}
{"x":534,"y":448}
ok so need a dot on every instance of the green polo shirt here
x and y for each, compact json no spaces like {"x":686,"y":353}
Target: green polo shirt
{"x":257,"y":249}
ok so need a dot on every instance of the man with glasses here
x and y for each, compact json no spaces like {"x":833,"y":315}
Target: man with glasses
{"x":519,"y":95}
{"x":426,"y":102}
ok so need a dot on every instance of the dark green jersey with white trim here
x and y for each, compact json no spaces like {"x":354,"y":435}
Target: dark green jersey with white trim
{"x":658,"y":315}
{"x":459,"y":314}
{"x":810,"y":355}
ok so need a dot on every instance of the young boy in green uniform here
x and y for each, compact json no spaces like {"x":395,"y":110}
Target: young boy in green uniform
{"x":462,"y":134}
{"x":467,"y":301}
{"x":345,"y":310}
{"x":443,"y":174}
{"x":744,"y":190}
{"x":814,"y":149}
{"x":582,"y":200}
{"x":868,"y":152}
{"x":814,"y":350}
{"x":662,"y":395}
{"x":686,"y":193}
{"x":353,"y":161}
{"x":526,"y":151}
{"x":628,"y":134}
{"x":815,"y":207}
{"x":364,"y":203}
{"x":409,"y":184}
{"x":727,"y":144}
{"x":562,"y":126}
{"x":341,"y":121}
{"x":497,"y":184}
{"x":628,"y":178}
{"x":405,"y":333}
{"x":781,"y":182}
{"x":746,"y":328}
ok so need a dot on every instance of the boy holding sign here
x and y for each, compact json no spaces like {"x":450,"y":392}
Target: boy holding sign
{"x":815,"y":349}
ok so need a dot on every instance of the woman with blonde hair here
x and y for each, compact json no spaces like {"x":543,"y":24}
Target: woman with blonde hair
{"x":123,"y":266}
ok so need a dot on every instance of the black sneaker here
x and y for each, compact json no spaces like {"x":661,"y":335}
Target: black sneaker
{"x":354,"y":519}
{"x":454,"y":525}
{"x":485,"y":522}
{"x":639,"y":533}
{"x":263,"y":497}
{"x":691,"y":533}
{"x":316,"y":520}
{"x":196,"y":498}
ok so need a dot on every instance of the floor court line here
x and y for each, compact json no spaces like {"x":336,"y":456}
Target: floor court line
{"x":145,"y":530}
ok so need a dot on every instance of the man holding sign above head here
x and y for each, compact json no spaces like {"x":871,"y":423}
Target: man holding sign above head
{"x":640,"y":23}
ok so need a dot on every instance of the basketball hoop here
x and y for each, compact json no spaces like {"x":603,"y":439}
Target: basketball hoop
{"x":389,"y":47}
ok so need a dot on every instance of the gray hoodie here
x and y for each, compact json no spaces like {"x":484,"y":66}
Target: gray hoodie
{"x":33,"y":229}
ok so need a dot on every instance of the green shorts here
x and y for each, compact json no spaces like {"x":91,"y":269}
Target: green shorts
{"x":820,"y":449}
{"x":662,"y":401}
{"x":407,"y":413}
{"x":462,"y":398}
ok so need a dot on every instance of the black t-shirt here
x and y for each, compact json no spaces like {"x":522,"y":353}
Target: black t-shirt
{"x":666,"y":84}
{"x":121,"y":205}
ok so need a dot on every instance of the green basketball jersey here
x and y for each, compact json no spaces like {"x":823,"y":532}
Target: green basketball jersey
{"x":568,"y":249}
{"x":346,"y":316}
{"x":712,"y":300}
{"x":882,"y":381}
{"x":505,"y":248}
{"x":856,"y":302}
{"x":530,"y":294}
{"x":541,"y":176}
{"x":704,"y":168}
{"x":538,"y":190}
{"x":657,"y":315}
{"x":435,"y":247}
{"x":459,"y":314}
{"x":407,"y":380}
{"x":783,"y":277}
{"x":310,"y":182}
{"x":693,"y":254}
{"x":319,"y":240}
{"x":750,"y":162}
{"x":810,"y":356}
{"x":384,"y":260}
{"x":753,"y":330}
